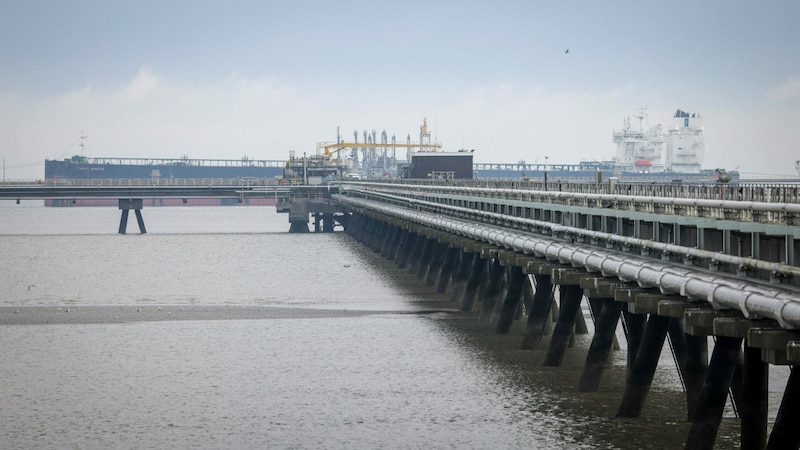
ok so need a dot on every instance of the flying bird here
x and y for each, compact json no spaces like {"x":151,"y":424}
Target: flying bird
{"x":567,"y":51}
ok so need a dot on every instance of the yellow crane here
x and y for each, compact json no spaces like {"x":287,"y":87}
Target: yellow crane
{"x":330,"y":149}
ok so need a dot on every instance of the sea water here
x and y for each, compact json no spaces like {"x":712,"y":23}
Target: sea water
{"x":218,"y":329}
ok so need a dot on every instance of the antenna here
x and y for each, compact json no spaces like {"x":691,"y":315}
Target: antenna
{"x":642,"y":114}
{"x":82,"y":144}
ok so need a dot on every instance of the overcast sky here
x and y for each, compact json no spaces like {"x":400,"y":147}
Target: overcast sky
{"x":162,"y":79}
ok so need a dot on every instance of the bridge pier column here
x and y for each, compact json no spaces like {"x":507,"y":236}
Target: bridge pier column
{"x":714,"y":393}
{"x":366,"y":228}
{"x":695,"y":370}
{"x":298,"y":216}
{"x":123,"y":222}
{"x":755,"y":404}
{"x":571,"y":295}
{"x":398,"y":239}
{"x":473,"y":283}
{"x":511,"y":302}
{"x":600,"y":348}
{"x":447,"y":269}
{"x":384,"y":236}
{"x":425,"y":259}
{"x":635,"y":325}
{"x":491,"y":295}
{"x":362,"y":229}
{"x":416,"y":254}
{"x":131,"y":204}
{"x":390,"y":243}
{"x":354,"y":228}
{"x":437,"y":260}
{"x":784,"y":432}
{"x":140,"y":220}
{"x":461,"y":275}
{"x":644,"y":366}
{"x":404,"y":250}
{"x":691,"y":354}
{"x":527,"y":292}
{"x":539,"y":312}
{"x":378,"y":236}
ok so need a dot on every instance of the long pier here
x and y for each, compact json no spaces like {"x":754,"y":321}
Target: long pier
{"x":709,"y":269}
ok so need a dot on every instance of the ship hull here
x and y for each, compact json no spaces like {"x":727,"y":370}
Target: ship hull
{"x":155,"y":202}
{"x":165,"y":173}
{"x":65,"y":170}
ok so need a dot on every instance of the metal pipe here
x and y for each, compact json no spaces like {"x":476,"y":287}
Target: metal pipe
{"x":689,"y":252}
{"x":762,"y":301}
{"x":669,"y":201}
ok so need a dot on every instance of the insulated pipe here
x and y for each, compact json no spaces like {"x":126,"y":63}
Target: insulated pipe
{"x":782,"y":305}
{"x":742,"y":262}
{"x":686,"y":251}
{"x":672,"y":201}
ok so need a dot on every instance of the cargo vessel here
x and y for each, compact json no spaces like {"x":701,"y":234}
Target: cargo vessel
{"x":81,"y":169}
{"x":655,"y":154}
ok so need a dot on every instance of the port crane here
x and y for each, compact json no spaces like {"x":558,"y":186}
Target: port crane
{"x":343,"y":145}
{"x":381,"y":162}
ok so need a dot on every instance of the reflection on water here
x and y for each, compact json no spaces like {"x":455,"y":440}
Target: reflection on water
{"x":374,"y":375}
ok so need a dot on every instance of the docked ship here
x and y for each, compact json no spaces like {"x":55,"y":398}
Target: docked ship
{"x":79,"y":170}
{"x":654,"y":154}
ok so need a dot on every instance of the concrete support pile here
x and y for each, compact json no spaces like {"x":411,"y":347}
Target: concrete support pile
{"x":131,"y":204}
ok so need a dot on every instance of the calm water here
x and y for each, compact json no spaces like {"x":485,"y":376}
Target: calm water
{"x":307,"y":341}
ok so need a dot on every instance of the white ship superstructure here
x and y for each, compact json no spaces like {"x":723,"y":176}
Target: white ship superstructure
{"x":681,"y":149}
{"x":639,"y":150}
{"x":686,"y":148}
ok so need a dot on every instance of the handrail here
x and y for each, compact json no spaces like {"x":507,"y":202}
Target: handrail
{"x":786,"y":192}
{"x":656,"y":204}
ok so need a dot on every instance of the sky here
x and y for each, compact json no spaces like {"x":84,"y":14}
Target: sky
{"x":228,"y":79}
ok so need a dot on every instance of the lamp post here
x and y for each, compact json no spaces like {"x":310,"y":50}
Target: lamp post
{"x":545,"y":172}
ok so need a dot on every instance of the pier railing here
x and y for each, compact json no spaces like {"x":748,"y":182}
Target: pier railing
{"x":740,"y":191}
{"x":735,"y":191}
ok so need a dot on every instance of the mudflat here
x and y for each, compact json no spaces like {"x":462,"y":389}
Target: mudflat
{"x":80,"y":314}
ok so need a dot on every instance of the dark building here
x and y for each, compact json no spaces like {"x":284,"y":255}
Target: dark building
{"x":441,"y":165}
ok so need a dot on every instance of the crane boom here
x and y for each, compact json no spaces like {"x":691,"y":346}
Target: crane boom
{"x":332,"y":148}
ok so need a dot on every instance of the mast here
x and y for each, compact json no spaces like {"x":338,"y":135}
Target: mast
{"x":82,"y":144}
